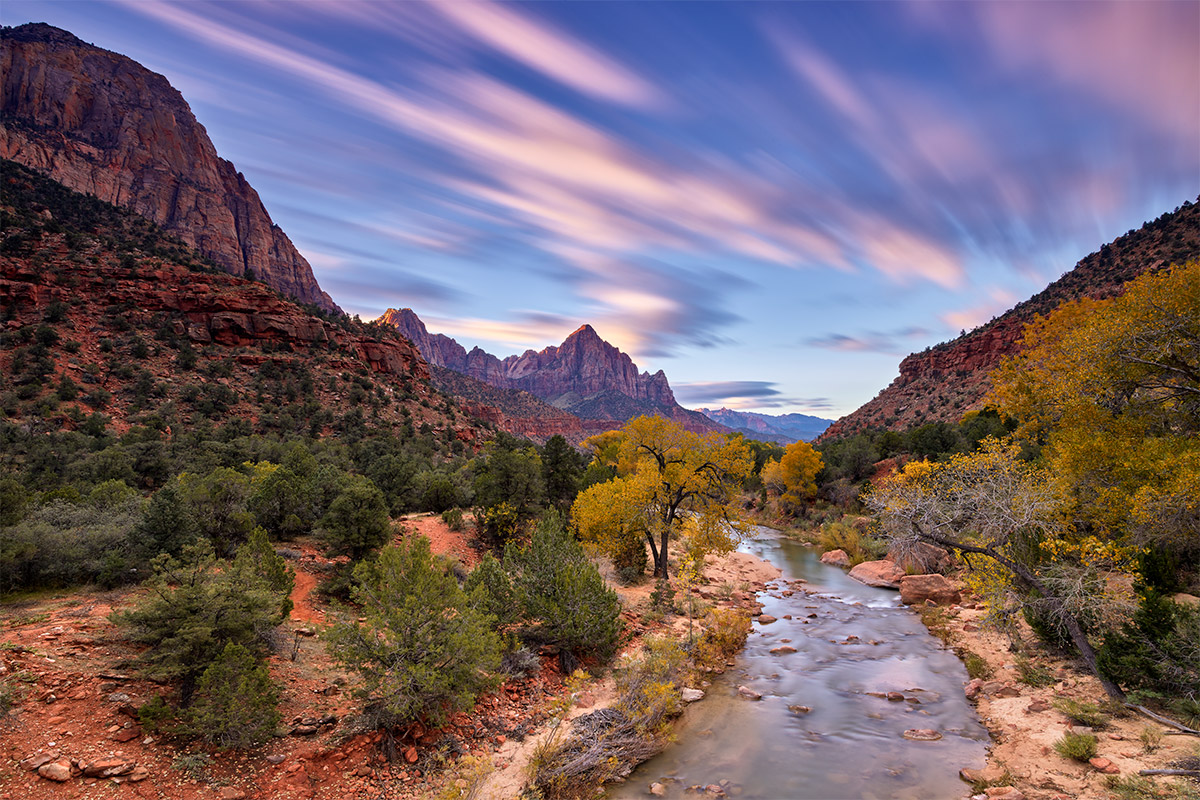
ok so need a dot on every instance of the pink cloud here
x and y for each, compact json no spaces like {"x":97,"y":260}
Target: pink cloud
{"x":999,"y":301}
{"x":551,"y":52}
{"x":579,"y":185}
{"x":1139,"y":56}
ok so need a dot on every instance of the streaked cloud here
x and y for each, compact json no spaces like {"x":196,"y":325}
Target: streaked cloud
{"x":966,"y":319}
{"x":1107,"y":49}
{"x":742,"y":395}
{"x":703,"y":392}
{"x":551,"y":52}
{"x":898,"y":342}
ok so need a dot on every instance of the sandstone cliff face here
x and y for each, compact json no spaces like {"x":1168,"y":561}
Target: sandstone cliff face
{"x":584,"y":375}
{"x":944,"y":382}
{"x":102,"y":124}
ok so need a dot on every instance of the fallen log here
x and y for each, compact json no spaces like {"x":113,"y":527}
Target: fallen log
{"x":1165,"y":721}
{"x":1190,"y":773}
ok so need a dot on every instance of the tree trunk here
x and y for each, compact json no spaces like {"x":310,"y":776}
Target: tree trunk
{"x":653,"y":551}
{"x":660,"y":570}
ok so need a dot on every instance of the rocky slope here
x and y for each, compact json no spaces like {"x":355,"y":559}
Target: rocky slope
{"x":585,"y":375}
{"x":516,"y":411}
{"x":782,"y":428}
{"x":106,"y":313}
{"x":944,"y":382}
{"x":102,"y":124}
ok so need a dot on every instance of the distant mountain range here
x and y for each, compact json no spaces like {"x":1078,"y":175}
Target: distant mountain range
{"x":782,"y":428}
{"x":944,"y":382}
{"x":584,"y":376}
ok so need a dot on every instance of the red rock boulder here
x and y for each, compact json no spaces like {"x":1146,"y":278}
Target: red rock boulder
{"x":919,"y":588}
{"x":836,"y":558}
{"x":883,"y":574}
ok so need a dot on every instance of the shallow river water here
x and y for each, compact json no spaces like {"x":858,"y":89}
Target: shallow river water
{"x":851,"y":744}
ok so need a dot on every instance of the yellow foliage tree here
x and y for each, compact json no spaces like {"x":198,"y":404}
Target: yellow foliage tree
{"x":794,"y":476}
{"x":664,"y":474}
{"x":990,"y":503}
{"x":1112,"y":390}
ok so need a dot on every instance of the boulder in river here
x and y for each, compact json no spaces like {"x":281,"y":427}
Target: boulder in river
{"x":916,"y":589}
{"x":881,"y":574}
{"x":836,"y":558}
{"x":689,"y":695}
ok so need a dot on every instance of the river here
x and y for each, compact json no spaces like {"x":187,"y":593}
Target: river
{"x":851,"y":743}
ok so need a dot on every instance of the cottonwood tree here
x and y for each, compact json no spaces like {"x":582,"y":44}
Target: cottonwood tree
{"x":794,"y":476}
{"x":1112,"y":389}
{"x":993,"y":504}
{"x":665,"y":473}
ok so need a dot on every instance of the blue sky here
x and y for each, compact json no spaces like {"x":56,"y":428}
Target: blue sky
{"x":772,"y":202}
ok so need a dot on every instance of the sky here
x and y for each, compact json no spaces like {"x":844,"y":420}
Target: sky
{"x":774,"y":203}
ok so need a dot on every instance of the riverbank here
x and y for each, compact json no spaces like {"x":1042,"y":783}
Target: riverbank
{"x":1015,"y":697}
{"x":730,"y":581}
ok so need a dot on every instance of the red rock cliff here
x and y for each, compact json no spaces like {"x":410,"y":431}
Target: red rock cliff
{"x":104,"y":125}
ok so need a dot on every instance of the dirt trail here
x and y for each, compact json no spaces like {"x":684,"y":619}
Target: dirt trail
{"x":302,"y":609}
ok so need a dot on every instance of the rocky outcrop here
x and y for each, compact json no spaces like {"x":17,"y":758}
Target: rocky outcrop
{"x":585,"y":375}
{"x":216,"y":309}
{"x":944,"y":382}
{"x":104,"y":125}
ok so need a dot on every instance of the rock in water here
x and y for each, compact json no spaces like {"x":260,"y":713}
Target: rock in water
{"x":836,"y":558}
{"x":881,"y":574}
{"x":922,"y":735}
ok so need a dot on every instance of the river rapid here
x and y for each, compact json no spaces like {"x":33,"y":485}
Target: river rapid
{"x":851,"y":744}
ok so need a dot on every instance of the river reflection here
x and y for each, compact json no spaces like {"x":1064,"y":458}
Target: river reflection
{"x":850,"y":745}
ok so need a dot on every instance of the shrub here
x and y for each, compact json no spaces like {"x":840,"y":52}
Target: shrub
{"x":1157,"y":650}
{"x":1079,"y":746}
{"x":1032,"y":674}
{"x":195,"y":607}
{"x":606,"y":745}
{"x":63,"y":544}
{"x":235,"y":703}
{"x":491,"y":591}
{"x":499,"y":523}
{"x":453,"y":517}
{"x":155,"y":714}
{"x":859,"y":547}
{"x":423,"y":650}
{"x":566,"y":601}
{"x":1081,"y":712}
{"x":724,"y":633}
{"x":357,"y":521}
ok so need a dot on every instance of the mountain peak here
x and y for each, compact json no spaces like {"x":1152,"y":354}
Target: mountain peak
{"x":584,"y":331}
{"x":584,"y":375}
{"x":41,"y":32}
{"x":76,"y":109}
